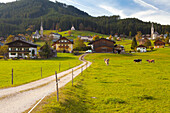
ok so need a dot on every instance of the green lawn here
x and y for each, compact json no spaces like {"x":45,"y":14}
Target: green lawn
{"x":75,"y":33}
{"x":123,"y":86}
{"x":30,"y":70}
{"x":126,"y":43}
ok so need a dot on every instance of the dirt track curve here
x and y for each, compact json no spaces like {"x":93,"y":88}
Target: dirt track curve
{"x":21,"y":98}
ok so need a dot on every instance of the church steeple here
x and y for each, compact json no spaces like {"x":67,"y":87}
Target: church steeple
{"x":41,"y":28}
{"x":152,"y":31}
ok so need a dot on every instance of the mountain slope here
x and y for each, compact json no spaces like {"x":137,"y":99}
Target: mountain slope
{"x":36,"y":8}
{"x":15,"y":18}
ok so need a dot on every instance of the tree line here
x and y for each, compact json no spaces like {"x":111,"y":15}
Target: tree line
{"x":17,"y":16}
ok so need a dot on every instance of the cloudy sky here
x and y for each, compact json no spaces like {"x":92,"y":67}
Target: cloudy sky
{"x":146,"y":10}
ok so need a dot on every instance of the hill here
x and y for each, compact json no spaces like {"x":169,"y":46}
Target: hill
{"x":15,"y":18}
{"x":75,"y":33}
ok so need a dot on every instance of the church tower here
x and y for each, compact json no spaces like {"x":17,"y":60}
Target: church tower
{"x":41,"y":28}
{"x":152,"y":31}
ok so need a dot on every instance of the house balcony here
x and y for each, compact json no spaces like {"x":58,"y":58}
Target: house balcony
{"x":64,"y":47}
{"x":103,"y":45}
{"x":19,"y":51}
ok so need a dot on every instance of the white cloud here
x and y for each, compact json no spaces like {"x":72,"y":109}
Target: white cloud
{"x":144,"y":4}
{"x":113,"y":11}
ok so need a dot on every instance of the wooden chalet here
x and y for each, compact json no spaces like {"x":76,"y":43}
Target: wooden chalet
{"x":63,"y":45}
{"x":22,"y":49}
{"x":159,"y":44}
{"x":103,"y":46}
{"x":141,"y":48}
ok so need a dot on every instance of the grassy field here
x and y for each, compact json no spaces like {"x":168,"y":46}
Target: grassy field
{"x":30,"y":70}
{"x":126,"y":43}
{"x":75,"y":33}
{"x":123,"y":86}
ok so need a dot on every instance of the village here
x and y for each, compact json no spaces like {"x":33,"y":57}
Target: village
{"x":20,"y":47}
{"x":73,"y":56}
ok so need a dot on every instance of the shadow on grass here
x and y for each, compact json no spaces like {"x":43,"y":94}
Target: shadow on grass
{"x":57,"y":58}
{"x":146,"y":97}
{"x":114,"y":101}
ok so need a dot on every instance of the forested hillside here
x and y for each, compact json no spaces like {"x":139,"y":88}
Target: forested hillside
{"x":15,"y":18}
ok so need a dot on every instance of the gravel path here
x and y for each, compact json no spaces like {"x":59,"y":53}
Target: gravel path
{"x":20,"y":98}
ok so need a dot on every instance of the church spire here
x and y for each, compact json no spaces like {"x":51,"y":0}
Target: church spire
{"x":41,"y":28}
{"x":152,"y":31}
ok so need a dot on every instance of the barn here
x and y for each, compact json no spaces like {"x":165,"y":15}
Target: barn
{"x":103,"y":45}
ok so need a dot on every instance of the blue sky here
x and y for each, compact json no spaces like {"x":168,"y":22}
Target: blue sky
{"x":146,"y":10}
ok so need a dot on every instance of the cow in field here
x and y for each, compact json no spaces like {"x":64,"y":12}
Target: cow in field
{"x":106,"y":61}
{"x":138,"y":60}
{"x":151,"y":61}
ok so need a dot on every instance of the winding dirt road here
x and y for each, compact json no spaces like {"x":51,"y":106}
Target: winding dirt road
{"x":21,"y":98}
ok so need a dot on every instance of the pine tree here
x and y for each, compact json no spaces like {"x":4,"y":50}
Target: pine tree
{"x":45,"y":52}
{"x":134,"y":43}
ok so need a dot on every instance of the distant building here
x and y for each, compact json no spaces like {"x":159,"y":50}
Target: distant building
{"x":152,"y":31}
{"x":103,"y":46}
{"x":63,"y":45}
{"x":55,"y":36}
{"x":119,"y":49}
{"x":19,"y":38}
{"x":159,"y":44}
{"x":86,"y":38}
{"x":1,"y":44}
{"x":2,"y":39}
{"x":154,"y":34}
{"x":41,"y":28}
{"x":36,"y":35}
{"x":141,"y":48}
{"x":22,"y":49}
{"x":73,"y":28}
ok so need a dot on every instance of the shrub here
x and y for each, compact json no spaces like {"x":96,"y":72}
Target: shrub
{"x":114,"y":101}
{"x":151,"y":47}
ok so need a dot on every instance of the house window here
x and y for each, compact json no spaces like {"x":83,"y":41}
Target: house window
{"x":13,"y":53}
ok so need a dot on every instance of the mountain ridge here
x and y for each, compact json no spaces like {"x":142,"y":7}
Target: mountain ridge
{"x":15,"y":17}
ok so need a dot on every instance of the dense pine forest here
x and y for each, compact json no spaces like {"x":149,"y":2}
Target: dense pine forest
{"x":17,"y":16}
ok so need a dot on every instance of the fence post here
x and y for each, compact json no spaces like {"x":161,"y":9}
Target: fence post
{"x":12,"y":76}
{"x":41,"y":72}
{"x":72,"y":77}
{"x":57,"y":87}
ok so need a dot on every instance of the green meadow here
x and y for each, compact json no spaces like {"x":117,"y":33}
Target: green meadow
{"x":75,"y":34}
{"x":26,"y":71}
{"x":122,"y":87}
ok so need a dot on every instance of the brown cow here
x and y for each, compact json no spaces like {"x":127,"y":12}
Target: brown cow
{"x":151,"y":61}
{"x":106,"y":61}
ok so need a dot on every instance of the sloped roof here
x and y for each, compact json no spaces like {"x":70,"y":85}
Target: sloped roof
{"x":101,"y":39}
{"x":141,"y":46}
{"x":30,"y":43}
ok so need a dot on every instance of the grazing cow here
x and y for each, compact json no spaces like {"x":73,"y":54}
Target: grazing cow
{"x":138,"y":60}
{"x":151,"y":61}
{"x":106,"y":61}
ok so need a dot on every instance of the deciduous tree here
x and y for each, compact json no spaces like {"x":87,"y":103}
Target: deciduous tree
{"x":96,"y":37}
{"x":78,"y":43}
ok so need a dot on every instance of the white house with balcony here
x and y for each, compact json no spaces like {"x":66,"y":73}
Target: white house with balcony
{"x":141,"y":48}
{"x":22,"y":49}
